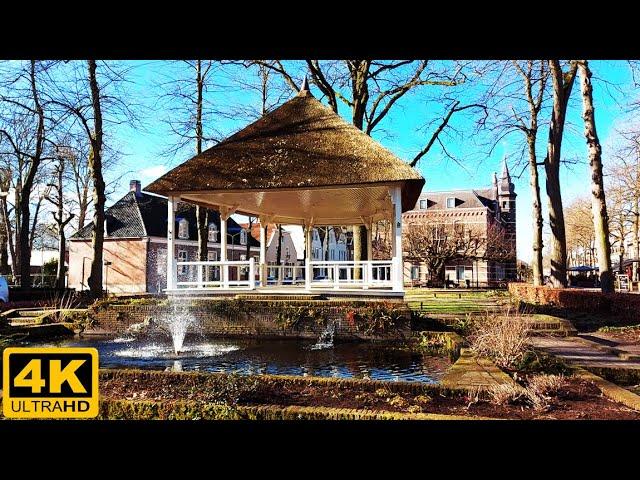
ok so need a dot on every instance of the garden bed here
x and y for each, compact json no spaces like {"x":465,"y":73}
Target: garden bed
{"x":577,"y":399}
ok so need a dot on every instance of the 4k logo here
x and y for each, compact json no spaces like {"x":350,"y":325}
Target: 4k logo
{"x":50,"y":383}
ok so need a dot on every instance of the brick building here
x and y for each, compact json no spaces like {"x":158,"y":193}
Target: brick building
{"x":477,"y":210}
{"x":135,"y":244}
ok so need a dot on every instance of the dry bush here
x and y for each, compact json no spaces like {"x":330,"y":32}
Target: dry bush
{"x":503,"y":338}
{"x":507,"y":394}
{"x":546,"y":384}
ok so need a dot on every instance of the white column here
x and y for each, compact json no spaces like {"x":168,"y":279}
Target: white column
{"x":397,"y":270}
{"x":172,"y":272}
{"x":308,"y":271}
{"x":224,"y":270}
{"x":263,"y":253}
{"x":368,"y":271}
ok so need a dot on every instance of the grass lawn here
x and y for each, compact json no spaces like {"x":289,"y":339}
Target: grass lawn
{"x":452,"y":302}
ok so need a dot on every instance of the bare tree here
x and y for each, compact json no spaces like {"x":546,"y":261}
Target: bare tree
{"x":579,"y":232}
{"x":374,"y":87}
{"x":91,"y":94}
{"x":562,"y":85}
{"x":23,"y":132}
{"x":434,"y":243}
{"x":598,"y":201}
{"x":57,"y":199}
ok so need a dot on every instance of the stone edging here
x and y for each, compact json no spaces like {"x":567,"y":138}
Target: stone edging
{"x":610,"y":390}
{"x":147,"y":410}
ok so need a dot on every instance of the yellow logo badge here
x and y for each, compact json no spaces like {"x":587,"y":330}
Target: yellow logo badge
{"x":50,"y":383}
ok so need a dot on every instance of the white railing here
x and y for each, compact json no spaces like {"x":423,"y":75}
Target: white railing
{"x":375,"y":273}
{"x":223,"y":275}
{"x":285,"y":274}
{"x":244,"y":275}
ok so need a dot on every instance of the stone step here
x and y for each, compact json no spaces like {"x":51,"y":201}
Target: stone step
{"x":246,"y":296}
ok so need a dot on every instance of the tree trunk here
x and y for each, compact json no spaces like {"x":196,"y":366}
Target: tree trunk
{"x":202,"y":216}
{"x":598,"y":202}
{"x":636,"y":238}
{"x":562,"y":85}
{"x":536,"y":206}
{"x":99,"y":199}
{"x":24,"y":260}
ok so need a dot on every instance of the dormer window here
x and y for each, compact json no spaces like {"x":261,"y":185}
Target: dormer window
{"x":243,"y":237}
{"x":213,"y":232}
{"x":451,"y":202}
{"x":183,"y":228}
{"x":423,"y":204}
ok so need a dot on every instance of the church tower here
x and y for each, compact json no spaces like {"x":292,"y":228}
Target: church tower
{"x":507,"y":210}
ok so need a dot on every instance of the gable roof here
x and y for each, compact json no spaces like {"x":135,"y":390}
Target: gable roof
{"x":300,"y":144}
{"x":472,"y":198}
{"x":146,"y":216}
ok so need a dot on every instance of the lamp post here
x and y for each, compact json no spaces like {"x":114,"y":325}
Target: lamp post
{"x":106,"y":277}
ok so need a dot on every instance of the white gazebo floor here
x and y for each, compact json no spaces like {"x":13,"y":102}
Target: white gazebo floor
{"x":287,"y":290}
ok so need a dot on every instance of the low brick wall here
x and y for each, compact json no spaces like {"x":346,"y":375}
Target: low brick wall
{"x":626,"y":306}
{"x":233,"y":318}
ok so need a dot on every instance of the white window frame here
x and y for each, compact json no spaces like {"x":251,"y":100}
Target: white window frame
{"x":183,"y":229}
{"x":213,"y":232}
{"x":243,"y":237}
{"x":453,"y":199}
{"x":212,"y":256}
{"x":423,"y":204}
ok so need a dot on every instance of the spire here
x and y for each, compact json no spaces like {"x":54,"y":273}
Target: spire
{"x":494,"y":179}
{"x":505,"y":170}
{"x":304,"y":88}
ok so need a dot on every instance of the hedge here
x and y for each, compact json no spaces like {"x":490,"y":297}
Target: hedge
{"x":624,"y":305}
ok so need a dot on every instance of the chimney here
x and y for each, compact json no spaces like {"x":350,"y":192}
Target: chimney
{"x":134,"y":186}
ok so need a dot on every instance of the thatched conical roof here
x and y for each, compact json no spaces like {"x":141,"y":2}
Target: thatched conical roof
{"x":301,"y":144}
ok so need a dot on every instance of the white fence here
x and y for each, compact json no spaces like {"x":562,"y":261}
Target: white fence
{"x":239,"y":275}
{"x":364,"y":274}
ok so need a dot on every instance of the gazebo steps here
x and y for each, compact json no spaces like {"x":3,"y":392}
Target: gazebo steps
{"x":263,"y":297}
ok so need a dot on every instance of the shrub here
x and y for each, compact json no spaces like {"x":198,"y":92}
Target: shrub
{"x":538,"y":362}
{"x":503,"y":338}
{"x":507,"y":394}
{"x":543,"y":385}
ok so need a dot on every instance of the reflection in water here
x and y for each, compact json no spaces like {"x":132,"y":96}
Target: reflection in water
{"x":282,"y":357}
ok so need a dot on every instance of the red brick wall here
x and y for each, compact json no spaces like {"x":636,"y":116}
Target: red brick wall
{"x":624,"y":305}
{"x":127,"y":272}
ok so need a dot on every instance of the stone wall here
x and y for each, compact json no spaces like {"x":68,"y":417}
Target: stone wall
{"x":229,"y":318}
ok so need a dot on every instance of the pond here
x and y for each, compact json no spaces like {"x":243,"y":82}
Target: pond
{"x":262,"y":356}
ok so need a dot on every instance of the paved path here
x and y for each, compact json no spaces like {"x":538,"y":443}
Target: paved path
{"x":583,"y":352}
{"x":471,"y":372}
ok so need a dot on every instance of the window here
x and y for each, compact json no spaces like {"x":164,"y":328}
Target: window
{"x":415,"y":272}
{"x":504,"y":204}
{"x":451,"y":202}
{"x":183,"y":257}
{"x":213,"y":232}
{"x":243,"y":237}
{"x":287,"y":253}
{"x":213,"y":273}
{"x":243,"y":258}
{"x":423,"y":204}
{"x":212,"y":256}
{"x":183,"y":228}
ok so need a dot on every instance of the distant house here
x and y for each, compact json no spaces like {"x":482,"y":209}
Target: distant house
{"x":480,"y":209}
{"x":136,"y":244}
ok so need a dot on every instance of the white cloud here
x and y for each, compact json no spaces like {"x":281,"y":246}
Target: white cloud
{"x":151,"y":173}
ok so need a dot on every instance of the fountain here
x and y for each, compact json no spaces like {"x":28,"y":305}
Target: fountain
{"x":177,"y":323}
{"x":325,"y":340}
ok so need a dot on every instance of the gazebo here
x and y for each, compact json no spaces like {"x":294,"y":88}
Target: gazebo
{"x":300,"y":164}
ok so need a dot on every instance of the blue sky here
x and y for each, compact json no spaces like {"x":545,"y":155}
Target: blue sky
{"x":402,"y":132}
